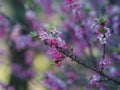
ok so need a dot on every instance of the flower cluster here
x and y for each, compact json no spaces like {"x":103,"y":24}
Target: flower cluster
{"x":105,"y":62}
{"x":103,"y":37}
{"x":103,"y":31}
{"x":56,"y":55}
{"x":53,"y":39}
{"x":95,"y":80}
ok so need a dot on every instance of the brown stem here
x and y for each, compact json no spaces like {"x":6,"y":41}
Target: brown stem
{"x":104,"y":51}
{"x":69,"y":54}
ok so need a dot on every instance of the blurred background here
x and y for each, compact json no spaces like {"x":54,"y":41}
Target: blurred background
{"x":24,"y":62}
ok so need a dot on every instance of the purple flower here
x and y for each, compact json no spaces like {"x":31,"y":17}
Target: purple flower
{"x":43,"y":35}
{"x":95,"y":80}
{"x":105,"y":62}
{"x":103,"y":37}
{"x":56,"y":55}
{"x":61,"y":43}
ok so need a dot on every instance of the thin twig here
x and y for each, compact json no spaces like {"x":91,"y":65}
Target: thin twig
{"x":69,"y":54}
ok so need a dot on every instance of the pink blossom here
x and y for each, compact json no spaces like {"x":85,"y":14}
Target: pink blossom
{"x":61,"y":43}
{"x":43,"y":35}
{"x":105,"y":62}
{"x":95,"y":80}
{"x":56,"y":55}
{"x":103,"y":36}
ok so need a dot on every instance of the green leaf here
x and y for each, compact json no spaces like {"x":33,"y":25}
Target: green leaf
{"x":104,"y":18}
{"x":96,"y":19}
{"x":33,"y":34}
{"x":50,"y":27}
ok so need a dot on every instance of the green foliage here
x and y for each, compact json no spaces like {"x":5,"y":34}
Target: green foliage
{"x":50,"y":27}
{"x":33,"y":34}
{"x":96,"y":19}
{"x":101,"y":20}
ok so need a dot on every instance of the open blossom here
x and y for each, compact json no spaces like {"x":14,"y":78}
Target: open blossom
{"x":53,"y":82}
{"x":103,"y":32}
{"x":43,"y":35}
{"x":55,"y":31}
{"x":54,"y":41}
{"x":103,"y":37}
{"x":53,"y":38}
{"x":61,"y":43}
{"x":95,"y":80}
{"x":105,"y":62}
